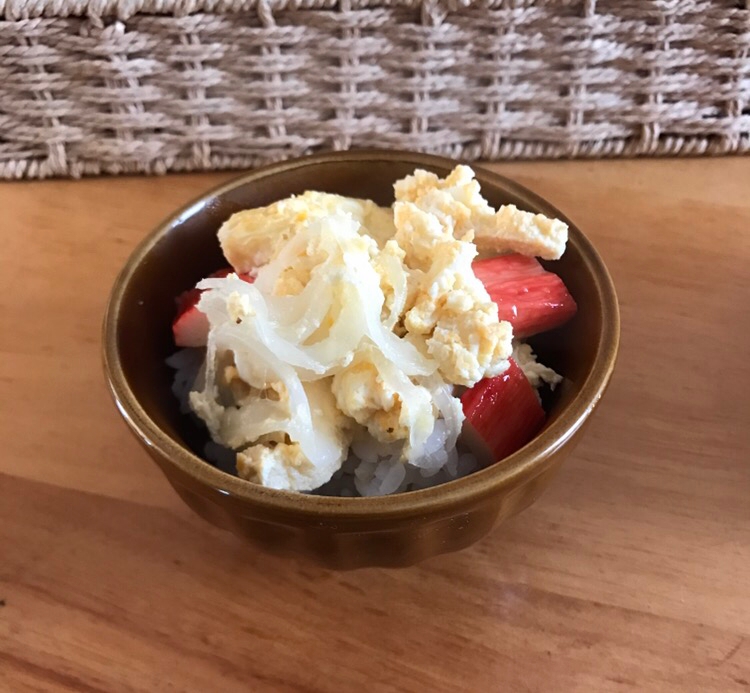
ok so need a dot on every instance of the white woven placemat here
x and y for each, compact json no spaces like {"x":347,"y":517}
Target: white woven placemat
{"x":153,"y":85}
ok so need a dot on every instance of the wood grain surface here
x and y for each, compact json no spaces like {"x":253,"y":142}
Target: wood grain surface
{"x":631,"y":574}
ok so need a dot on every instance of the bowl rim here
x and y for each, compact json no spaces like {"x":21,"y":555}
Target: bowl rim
{"x":525,"y":463}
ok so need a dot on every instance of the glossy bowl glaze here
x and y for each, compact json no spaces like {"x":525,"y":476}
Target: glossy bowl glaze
{"x":396,"y":530}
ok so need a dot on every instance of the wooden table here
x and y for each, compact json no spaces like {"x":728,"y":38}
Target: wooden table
{"x":631,"y":574}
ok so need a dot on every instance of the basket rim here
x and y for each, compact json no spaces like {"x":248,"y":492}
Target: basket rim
{"x":15,"y":10}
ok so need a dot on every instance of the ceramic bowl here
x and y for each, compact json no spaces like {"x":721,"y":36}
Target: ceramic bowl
{"x":397,"y":530}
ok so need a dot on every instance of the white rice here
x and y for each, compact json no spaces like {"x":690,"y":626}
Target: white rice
{"x":187,"y":364}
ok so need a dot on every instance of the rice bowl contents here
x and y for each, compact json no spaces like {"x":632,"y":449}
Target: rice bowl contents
{"x":330,"y":357}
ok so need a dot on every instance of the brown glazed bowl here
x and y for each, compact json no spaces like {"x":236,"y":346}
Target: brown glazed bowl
{"x":397,"y":530}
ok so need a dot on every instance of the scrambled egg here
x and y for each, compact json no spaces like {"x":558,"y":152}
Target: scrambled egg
{"x":428,"y":300}
{"x":514,"y":230}
{"x":453,"y":312}
{"x":372,"y":392}
{"x":361,"y":393}
{"x":276,"y":462}
{"x":449,"y":306}
{"x":250,"y":238}
{"x":282,"y":466}
{"x":537,"y":373}
{"x":507,"y":230}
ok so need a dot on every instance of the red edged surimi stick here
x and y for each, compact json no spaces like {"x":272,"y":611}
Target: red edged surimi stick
{"x":529,"y":297}
{"x":190,"y":327}
{"x":502,"y":414}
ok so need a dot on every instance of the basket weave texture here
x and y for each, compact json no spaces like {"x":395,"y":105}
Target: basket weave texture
{"x":113,"y":86}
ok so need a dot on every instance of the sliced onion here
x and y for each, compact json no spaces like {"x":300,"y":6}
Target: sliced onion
{"x":397,"y":280}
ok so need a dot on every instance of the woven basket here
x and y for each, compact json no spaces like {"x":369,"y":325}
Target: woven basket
{"x":112,"y":86}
